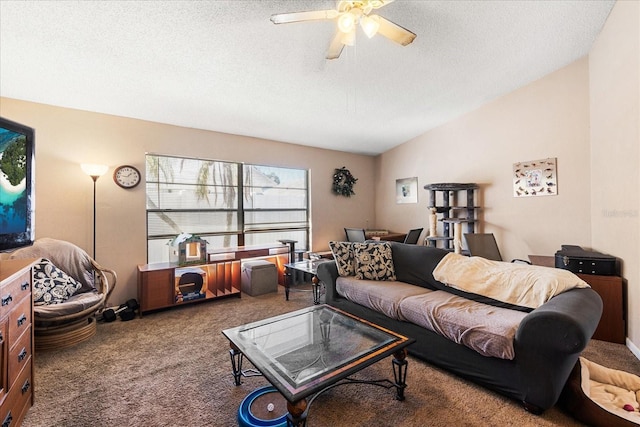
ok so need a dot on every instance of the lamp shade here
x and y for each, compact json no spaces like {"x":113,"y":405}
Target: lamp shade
{"x":93,"y":169}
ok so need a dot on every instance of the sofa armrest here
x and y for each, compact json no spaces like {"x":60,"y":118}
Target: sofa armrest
{"x":328,"y":274}
{"x":564,"y":324}
{"x":550,"y":339}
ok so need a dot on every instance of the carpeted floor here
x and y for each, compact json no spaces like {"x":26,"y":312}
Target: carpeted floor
{"x":172,"y":368}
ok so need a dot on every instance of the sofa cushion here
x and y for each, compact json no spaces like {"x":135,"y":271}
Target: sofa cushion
{"x":343,"y":254}
{"x":52,"y":285}
{"x":414,"y":264}
{"x":522,"y":285}
{"x":381,"y":296}
{"x":373,"y":261}
{"x":486,"y":329}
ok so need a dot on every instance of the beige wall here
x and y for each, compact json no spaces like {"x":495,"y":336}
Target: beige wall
{"x":548,"y":118}
{"x":615,"y":155}
{"x":64,"y":194}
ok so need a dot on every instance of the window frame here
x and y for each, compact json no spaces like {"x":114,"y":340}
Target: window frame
{"x":241,"y":211}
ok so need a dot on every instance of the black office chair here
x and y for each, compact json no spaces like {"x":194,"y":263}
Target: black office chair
{"x":355,"y":234}
{"x":413,"y":236}
{"x":485,"y":246}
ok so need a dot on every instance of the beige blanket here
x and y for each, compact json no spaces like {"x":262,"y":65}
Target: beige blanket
{"x":518,"y":284}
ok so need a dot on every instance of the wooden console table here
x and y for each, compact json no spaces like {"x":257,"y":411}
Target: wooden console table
{"x":157,"y":282}
{"x":613,"y":325}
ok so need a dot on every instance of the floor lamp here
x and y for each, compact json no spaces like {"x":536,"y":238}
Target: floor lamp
{"x":95,"y":172}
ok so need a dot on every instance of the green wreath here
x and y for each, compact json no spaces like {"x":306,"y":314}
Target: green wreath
{"x":343,"y":182}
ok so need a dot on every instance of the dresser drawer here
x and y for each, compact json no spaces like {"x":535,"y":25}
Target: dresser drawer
{"x":19,"y":355}
{"x":13,"y":292}
{"x":18,"y":400}
{"x":19,"y":320}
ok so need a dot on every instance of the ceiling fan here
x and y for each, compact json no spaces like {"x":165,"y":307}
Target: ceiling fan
{"x":348,"y":14}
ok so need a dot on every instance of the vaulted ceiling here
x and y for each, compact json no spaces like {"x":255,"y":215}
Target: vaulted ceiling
{"x":224,"y":66}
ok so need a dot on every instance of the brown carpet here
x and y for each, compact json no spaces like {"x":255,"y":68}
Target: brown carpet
{"x":172,"y":368}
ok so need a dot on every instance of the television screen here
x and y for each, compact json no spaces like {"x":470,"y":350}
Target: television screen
{"x":16,"y":185}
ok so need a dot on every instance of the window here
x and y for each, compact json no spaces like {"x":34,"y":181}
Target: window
{"x":225,"y":203}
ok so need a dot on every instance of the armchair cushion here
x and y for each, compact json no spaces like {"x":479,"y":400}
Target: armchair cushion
{"x":52,"y":285}
{"x":73,"y":305}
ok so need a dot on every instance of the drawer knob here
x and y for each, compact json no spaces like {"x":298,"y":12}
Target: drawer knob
{"x":22,"y":355}
{"x":26,"y":386}
{"x":24,"y":286}
{"x":22,"y":319}
{"x":6,"y":300}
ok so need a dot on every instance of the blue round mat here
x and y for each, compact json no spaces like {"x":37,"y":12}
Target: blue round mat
{"x":246,"y":418}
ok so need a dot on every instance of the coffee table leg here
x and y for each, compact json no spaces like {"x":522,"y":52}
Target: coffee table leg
{"x":288,"y":277}
{"x":236,"y":363}
{"x":297,"y":416}
{"x":316,"y":289}
{"x":400,"y":372}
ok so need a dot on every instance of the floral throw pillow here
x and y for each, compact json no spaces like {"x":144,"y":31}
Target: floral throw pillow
{"x":373,"y":261}
{"x":343,"y":254}
{"x":52,"y":285}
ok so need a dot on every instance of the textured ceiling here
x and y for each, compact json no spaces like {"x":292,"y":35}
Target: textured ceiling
{"x":223,"y":66}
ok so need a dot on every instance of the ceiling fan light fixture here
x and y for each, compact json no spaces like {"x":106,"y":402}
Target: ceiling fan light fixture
{"x":347,"y":22}
{"x":347,"y":15}
{"x":369,"y":25}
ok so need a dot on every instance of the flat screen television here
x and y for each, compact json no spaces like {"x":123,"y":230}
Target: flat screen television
{"x":17,"y":215}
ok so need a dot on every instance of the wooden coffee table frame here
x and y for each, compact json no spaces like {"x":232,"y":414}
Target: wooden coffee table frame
{"x":299,"y":400}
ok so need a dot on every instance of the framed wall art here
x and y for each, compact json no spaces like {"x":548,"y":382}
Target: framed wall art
{"x":407,"y":190}
{"x":535,"y":178}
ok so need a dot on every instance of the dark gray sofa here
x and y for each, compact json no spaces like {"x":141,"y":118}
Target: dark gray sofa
{"x":547,"y":344}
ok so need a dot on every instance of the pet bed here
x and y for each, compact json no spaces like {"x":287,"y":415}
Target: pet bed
{"x":601,"y":396}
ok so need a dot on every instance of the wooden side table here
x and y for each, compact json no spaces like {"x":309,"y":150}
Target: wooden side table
{"x":613,"y":324}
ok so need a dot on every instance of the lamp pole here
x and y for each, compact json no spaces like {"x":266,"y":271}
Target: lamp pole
{"x":94,"y":178}
{"x":95,"y":172}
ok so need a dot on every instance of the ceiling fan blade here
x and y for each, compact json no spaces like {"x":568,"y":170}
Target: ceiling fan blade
{"x":314,"y":15}
{"x":336,"y":46}
{"x":393,"y":31}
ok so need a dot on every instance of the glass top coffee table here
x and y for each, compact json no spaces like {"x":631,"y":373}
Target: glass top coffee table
{"x":308,"y":351}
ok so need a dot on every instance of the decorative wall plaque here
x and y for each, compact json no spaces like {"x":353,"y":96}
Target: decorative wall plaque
{"x":535,"y":178}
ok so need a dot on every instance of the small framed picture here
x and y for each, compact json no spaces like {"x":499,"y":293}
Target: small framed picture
{"x":535,"y":178}
{"x":407,"y":190}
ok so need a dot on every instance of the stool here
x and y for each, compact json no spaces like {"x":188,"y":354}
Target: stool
{"x":259,"y":277}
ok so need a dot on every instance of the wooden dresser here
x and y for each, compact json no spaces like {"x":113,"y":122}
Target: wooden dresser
{"x":16,"y":341}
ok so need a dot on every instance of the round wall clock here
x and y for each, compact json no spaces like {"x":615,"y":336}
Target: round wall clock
{"x":126,"y":176}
